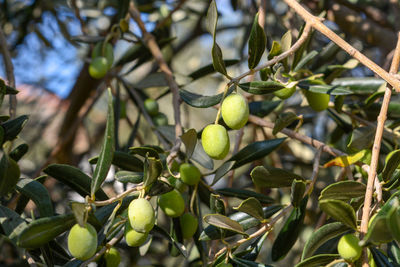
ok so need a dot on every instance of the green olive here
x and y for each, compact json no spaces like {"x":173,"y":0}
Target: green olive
{"x":82,"y":241}
{"x":141,"y":215}
{"x":172,"y":203}
{"x":348,"y":247}
{"x":285,"y":93}
{"x":177,"y":183}
{"x":190,"y":174}
{"x":112,"y":257}
{"x":133,"y":238}
{"x":108,"y":53}
{"x":215,"y":141}
{"x":98,"y":67}
{"x":317,"y":101}
{"x":235,"y":111}
{"x":189,"y":225}
{"x":160,"y":119}
{"x":151,"y":106}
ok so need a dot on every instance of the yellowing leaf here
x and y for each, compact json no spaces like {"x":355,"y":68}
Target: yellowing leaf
{"x":344,"y":161}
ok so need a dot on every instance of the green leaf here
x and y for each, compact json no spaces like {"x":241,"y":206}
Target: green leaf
{"x":41,"y":231}
{"x":305,"y":60}
{"x":39,"y":195}
{"x":289,"y":233}
{"x":145,"y":151}
{"x":273,"y":177}
{"x":393,"y":222}
{"x":246,"y":263}
{"x":200,"y":101}
{"x":11,"y":223}
{"x":216,"y":204}
{"x":257,"y":43}
{"x":392,"y":162}
{"x":159,"y":188}
{"x":297,"y":192}
{"x":246,"y":221}
{"x":200,"y":156}
{"x":18,"y":152}
{"x":286,"y":41}
{"x":276,"y":49}
{"x":218,"y":61}
{"x":152,"y":170}
{"x":360,"y":85}
{"x":380,"y":258}
{"x":261,"y":87}
{"x":243,"y":194}
{"x":79,"y":209}
{"x":343,"y":190}
{"x":284,"y":119}
{"x":155,"y":79}
{"x":74,"y":178}
{"x":247,"y":154}
{"x":158,"y":231}
{"x":378,"y":230}
{"x":107,"y":150}
{"x":325,"y":89}
{"x":252,"y":207}
{"x":321,"y":235}
{"x":1,"y":135}
{"x":224,"y":222}
{"x":129,"y":177}
{"x":361,"y":138}
{"x":189,"y":138}
{"x":262,"y":108}
{"x":124,"y":161}
{"x":212,"y":18}
{"x":340,"y":211}
{"x":13,"y":127}
{"x":9,"y":174}
{"x":318,"y":260}
{"x":203,"y":71}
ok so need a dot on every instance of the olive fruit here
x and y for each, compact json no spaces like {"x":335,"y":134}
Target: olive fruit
{"x":108,"y":53}
{"x":151,"y":106}
{"x":160,"y":119}
{"x":215,"y":141}
{"x":112,"y":257}
{"x":188,"y":225}
{"x":348,"y":247}
{"x":235,"y":111}
{"x":133,"y":238}
{"x":98,"y":67}
{"x":285,"y":93}
{"x":317,"y":101}
{"x":82,"y":241}
{"x":141,"y":215}
{"x":177,"y":183}
{"x":172,"y":203}
{"x":189,"y":174}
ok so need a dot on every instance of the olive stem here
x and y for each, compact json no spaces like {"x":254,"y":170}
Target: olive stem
{"x":314,"y":175}
{"x":193,"y":198}
{"x":222,"y":100}
{"x":138,"y":187}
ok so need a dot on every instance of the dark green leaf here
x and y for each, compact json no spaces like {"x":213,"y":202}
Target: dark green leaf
{"x":325,"y":89}
{"x":378,"y":230}
{"x":189,"y":138}
{"x":159,"y":188}
{"x":393,"y":222}
{"x":11,"y":223}
{"x":289,"y":233}
{"x":380,"y":258}
{"x":321,"y":235}
{"x":158,"y":231}
{"x":261,"y":87}
{"x":340,"y":211}
{"x":210,"y":69}
{"x":224,"y":222}
{"x":262,"y":108}
{"x":74,"y":178}
{"x":361,"y":138}
{"x":284,"y":119}
{"x":18,"y":152}
{"x":38,"y":193}
{"x":360,"y":85}
{"x":216,"y":204}
{"x":273,"y":177}
{"x":9,"y":174}
{"x":318,"y":260}
{"x":200,"y":101}
{"x":218,"y":60}
{"x":129,"y":177}
{"x":392,"y":161}
{"x":43,"y":230}
{"x":152,"y":170}
{"x":252,"y":207}
{"x":143,"y":151}
{"x":107,"y":150}
{"x":124,"y":161}
{"x":343,"y":190}
{"x":155,"y":79}
{"x":297,"y":192}
{"x":257,"y":43}
{"x":305,"y":60}
{"x":243,"y":194}
{"x":13,"y":127}
{"x":246,"y":263}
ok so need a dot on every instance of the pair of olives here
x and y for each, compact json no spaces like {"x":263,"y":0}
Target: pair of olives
{"x":102,"y":60}
{"x":235,"y":113}
{"x":159,"y":118}
{"x":141,"y":219}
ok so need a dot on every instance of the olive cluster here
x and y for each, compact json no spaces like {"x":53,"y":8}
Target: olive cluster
{"x":159,"y":118}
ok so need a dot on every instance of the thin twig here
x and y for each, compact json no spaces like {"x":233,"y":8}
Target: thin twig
{"x":152,"y":45}
{"x":9,"y":72}
{"x":302,"y":138}
{"x":118,"y":197}
{"x":377,"y":146}
{"x":314,"y":175}
{"x":316,"y":23}
{"x":78,"y":16}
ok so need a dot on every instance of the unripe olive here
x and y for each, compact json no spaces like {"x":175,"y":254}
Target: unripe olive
{"x":285,"y":93}
{"x":108,"y":53}
{"x":317,"y":101}
{"x":141,"y":215}
{"x":189,"y":225}
{"x":133,"y":238}
{"x":160,"y":119}
{"x":172,"y":203}
{"x":98,"y":67}
{"x":151,"y":106}
{"x":190,"y":174}
{"x":82,"y":241}
{"x":235,"y":111}
{"x":215,"y":141}
{"x":348,"y":247}
{"x":112,"y":257}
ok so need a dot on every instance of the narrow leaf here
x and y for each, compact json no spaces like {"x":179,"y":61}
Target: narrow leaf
{"x":218,"y":61}
{"x":152,"y":170}
{"x":129,"y":177}
{"x":318,"y":260}
{"x":340,"y":211}
{"x":203,"y":71}
{"x":224,"y":222}
{"x":273,"y":177}
{"x":257,"y":43}
{"x":9,"y":174}
{"x":243,"y":194}
{"x":252,"y":207}
{"x":189,"y":138}
{"x":343,"y":190}
{"x":38,"y":193}
{"x":284,"y":120}
{"x":158,"y":231}
{"x":13,"y":127}
{"x":392,"y":162}
{"x":261,"y":87}
{"x":212,"y":18}
{"x":344,"y":161}
{"x":11,"y":223}
{"x":297,"y":192}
